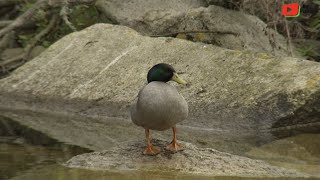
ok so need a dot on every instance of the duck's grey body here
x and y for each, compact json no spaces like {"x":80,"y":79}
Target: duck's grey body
{"x":159,"y":106}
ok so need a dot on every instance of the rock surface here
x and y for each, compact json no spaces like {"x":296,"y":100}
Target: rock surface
{"x":196,"y":21}
{"x":300,"y":152}
{"x":192,"y":160}
{"x":85,"y":83}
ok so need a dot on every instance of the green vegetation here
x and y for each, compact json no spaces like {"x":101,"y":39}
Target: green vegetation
{"x":81,"y":16}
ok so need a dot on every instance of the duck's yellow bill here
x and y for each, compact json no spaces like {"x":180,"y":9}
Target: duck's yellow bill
{"x":177,"y":79}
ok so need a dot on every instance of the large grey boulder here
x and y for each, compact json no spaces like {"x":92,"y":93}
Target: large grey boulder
{"x":196,"y":21}
{"x":123,"y":10}
{"x":80,"y":89}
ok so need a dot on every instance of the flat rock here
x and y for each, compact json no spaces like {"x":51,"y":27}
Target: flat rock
{"x":196,"y":21}
{"x":85,"y":83}
{"x":193,"y":160}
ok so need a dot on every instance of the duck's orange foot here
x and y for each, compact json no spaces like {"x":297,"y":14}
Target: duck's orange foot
{"x":174,"y":147}
{"x":151,"y":150}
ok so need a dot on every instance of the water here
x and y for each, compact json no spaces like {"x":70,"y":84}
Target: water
{"x":55,"y":172}
{"x":20,"y":161}
{"x":26,"y":154}
{"x":16,"y":159}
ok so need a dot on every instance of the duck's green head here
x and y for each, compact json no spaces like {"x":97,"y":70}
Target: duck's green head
{"x":163,"y":72}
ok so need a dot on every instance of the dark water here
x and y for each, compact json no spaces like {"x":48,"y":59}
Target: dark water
{"x":20,"y":161}
{"x":18,"y":158}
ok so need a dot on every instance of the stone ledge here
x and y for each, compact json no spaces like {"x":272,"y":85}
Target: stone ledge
{"x":193,"y":160}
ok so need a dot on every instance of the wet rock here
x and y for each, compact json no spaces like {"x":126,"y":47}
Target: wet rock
{"x":193,"y":160}
{"x":13,"y":132}
{"x":195,"y":21}
{"x":300,"y":152}
{"x":95,"y":74}
{"x":301,"y":147}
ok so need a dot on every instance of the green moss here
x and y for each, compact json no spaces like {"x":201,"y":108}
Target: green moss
{"x":200,"y":36}
{"x":307,"y":51}
{"x":81,"y":16}
{"x":84,"y":16}
{"x":313,"y":82}
{"x":181,"y":36}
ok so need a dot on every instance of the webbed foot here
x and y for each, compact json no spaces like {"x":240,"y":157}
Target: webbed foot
{"x":151,"y":150}
{"x":174,"y":147}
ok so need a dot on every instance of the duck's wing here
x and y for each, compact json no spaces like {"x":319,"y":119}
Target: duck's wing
{"x":134,"y":112}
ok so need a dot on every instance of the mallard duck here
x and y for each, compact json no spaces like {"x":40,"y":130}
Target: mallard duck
{"x":159,"y":106}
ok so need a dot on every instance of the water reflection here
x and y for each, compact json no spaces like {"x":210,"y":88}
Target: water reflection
{"x":17,"y":158}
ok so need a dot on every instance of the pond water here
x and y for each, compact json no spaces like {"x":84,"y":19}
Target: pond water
{"x":21,"y":161}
